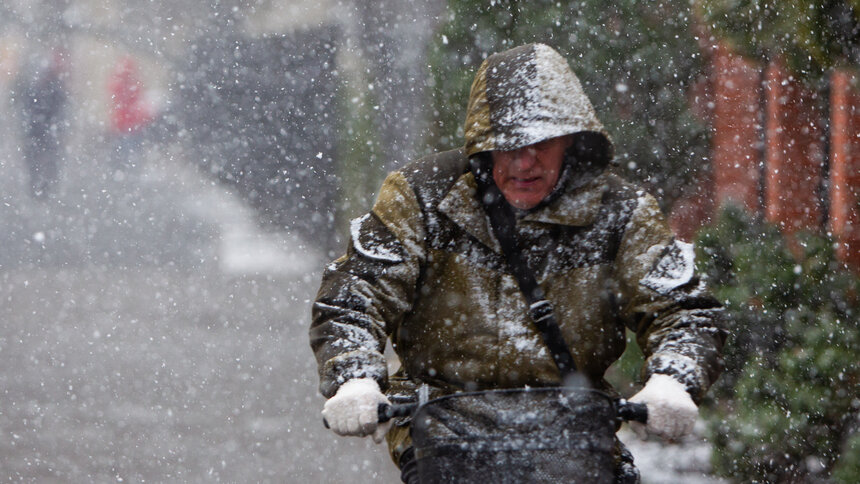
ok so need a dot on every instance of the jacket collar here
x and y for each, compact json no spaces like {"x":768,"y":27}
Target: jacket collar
{"x":577,"y":207}
{"x":461,"y":205}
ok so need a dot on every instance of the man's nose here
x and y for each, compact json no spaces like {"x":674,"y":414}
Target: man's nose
{"x":525,"y":158}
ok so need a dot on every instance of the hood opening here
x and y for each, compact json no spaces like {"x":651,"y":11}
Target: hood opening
{"x":588,"y":156}
{"x":589,"y":151}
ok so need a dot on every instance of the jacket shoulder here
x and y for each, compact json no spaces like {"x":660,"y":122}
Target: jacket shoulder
{"x":619,"y":189}
{"x":432,"y":176}
{"x":623,"y":201}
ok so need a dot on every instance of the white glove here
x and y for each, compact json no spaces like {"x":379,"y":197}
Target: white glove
{"x":671,"y":411}
{"x":354,"y":410}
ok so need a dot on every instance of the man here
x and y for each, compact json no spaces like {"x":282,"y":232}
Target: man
{"x":425,"y":268}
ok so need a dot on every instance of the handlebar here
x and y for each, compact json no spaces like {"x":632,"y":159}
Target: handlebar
{"x":629,"y":411}
{"x":637,"y":412}
{"x":387,"y":411}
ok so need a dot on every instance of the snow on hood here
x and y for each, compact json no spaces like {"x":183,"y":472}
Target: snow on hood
{"x":523,"y":96}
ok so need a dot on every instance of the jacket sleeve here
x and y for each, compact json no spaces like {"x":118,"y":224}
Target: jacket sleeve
{"x":365,"y":293}
{"x":678,"y":324}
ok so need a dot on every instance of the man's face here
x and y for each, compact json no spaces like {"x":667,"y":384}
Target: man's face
{"x":527,"y":175}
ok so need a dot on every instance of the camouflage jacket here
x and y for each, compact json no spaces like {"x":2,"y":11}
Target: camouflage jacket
{"x":424,"y":268}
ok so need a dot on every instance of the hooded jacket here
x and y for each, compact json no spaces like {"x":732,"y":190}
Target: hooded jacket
{"x":424,"y":268}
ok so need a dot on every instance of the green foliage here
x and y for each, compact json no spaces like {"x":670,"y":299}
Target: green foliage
{"x":812,"y":35}
{"x":361,"y":172}
{"x":624,"y":374}
{"x":789,"y":396}
{"x":847,"y":470}
{"x":752,"y":273}
{"x":636,"y":60}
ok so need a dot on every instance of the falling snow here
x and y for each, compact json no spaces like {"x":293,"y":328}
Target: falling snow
{"x":175,"y":175}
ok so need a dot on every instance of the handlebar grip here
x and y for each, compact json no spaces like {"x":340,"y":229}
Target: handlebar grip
{"x":637,"y":412}
{"x":389,"y":411}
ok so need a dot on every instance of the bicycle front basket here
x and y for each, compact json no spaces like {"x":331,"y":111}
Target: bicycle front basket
{"x":513,"y":436}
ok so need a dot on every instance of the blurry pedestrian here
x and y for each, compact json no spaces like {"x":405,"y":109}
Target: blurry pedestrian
{"x":41,"y":96}
{"x":130,"y":114}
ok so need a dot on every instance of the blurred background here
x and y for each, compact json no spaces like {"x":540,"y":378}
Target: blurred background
{"x":175,"y":174}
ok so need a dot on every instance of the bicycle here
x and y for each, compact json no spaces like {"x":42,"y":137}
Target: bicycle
{"x":516,"y":435}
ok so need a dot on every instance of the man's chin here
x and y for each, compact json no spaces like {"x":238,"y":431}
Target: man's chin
{"x":523,"y":203}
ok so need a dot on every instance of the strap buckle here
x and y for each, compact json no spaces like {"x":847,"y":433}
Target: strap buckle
{"x":541,"y":310}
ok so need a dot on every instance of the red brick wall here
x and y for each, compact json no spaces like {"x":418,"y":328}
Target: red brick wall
{"x":845,"y":166}
{"x":794,"y":152}
{"x":693,"y":210}
{"x":736,"y":129}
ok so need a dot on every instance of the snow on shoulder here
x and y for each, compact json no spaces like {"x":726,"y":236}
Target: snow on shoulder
{"x":674,"y":269}
{"x":372,"y":244}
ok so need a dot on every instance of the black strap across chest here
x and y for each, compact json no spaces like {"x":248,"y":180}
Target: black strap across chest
{"x":503,"y":223}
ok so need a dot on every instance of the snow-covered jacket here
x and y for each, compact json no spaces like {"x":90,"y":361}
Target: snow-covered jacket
{"x":424,"y":268}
